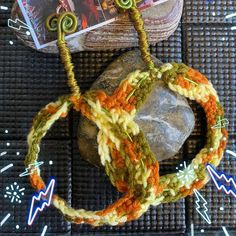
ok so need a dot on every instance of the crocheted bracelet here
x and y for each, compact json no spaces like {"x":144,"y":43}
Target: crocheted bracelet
{"x":128,"y":160}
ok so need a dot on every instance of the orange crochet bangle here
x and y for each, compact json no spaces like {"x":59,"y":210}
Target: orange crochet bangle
{"x":128,"y":160}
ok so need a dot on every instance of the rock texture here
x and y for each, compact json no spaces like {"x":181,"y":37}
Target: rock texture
{"x":166,"y":118}
{"x":160,"y":22}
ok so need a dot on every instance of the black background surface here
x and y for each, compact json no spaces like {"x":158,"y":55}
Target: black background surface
{"x":29,"y":80}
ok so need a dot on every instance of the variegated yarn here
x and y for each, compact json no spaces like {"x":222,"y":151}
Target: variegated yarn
{"x":128,"y":160}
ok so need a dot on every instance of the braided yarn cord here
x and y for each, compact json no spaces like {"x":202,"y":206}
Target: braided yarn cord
{"x":125,"y":154}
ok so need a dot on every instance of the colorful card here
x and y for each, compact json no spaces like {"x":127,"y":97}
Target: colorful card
{"x":91,"y":14}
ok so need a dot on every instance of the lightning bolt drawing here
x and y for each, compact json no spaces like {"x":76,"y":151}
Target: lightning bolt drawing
{"x":47,"y":198}
{"x":202,"y":209}
{"x":31,"y":168}
{"x":220,"y":178}
{"x":17,"y":24}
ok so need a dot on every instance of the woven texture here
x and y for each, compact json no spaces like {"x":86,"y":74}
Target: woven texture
{"x":29,"y":80}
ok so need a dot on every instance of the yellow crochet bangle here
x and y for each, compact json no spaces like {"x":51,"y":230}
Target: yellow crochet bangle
{"x":128,"y":160}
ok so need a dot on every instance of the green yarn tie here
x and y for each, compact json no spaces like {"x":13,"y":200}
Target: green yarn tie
{"x":65,"y":23}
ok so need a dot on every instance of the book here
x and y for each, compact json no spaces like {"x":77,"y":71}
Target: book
{"x":91,"y":14}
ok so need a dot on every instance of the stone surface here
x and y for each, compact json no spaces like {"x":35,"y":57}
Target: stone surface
{"x":160,"y":22}
{"x":166,"y":118}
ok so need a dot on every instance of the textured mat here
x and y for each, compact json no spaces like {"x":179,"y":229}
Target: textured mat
{"x":221,"y":207}
{"x":5,"y":11}
{"x":208,"y":11}
{"x":211,"y":49}
{"x":29,"y":80}
{"x":56,"y":156}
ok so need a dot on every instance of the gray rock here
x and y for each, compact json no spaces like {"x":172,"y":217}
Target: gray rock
{"x":166,"y":118}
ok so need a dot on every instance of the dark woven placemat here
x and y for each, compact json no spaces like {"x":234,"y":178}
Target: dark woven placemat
{"x":5,"y":12}
{"x":208,"y":11}
{"x":56,"y":156}
{"x":29,"y":80}
{"x":211,"y":49}
{"x":222,"y":208}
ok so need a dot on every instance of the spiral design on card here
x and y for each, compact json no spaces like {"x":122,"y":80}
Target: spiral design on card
{"x":125,"y":4}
